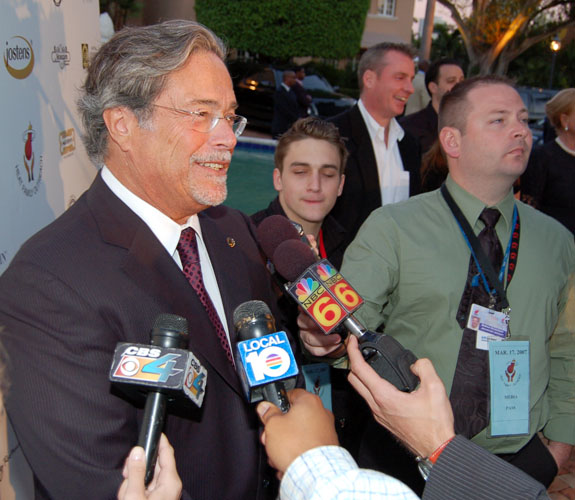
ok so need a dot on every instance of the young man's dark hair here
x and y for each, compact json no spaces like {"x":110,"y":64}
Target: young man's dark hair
{"x":310,"y":128}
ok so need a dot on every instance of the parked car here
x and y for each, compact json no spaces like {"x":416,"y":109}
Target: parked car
{"x":535,"y":100}
{"x":255,"y":95}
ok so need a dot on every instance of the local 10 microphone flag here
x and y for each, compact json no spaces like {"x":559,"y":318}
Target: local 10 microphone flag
{"x":265,"y":360}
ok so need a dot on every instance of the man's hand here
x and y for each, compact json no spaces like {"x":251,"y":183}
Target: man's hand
{"x":422,"y":419}
{"x":315,"y":341}
{"x":305,"y":426}
{"x":165,"y":485}
{"x":560,"y":451}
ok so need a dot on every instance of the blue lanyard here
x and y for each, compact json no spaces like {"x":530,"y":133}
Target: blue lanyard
{"x":491,"y":291}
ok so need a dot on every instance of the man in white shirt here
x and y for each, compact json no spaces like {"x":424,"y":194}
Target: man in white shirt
{"x":383,"y":163}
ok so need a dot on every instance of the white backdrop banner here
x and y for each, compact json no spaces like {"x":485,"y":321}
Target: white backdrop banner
{"x":44,"y":168}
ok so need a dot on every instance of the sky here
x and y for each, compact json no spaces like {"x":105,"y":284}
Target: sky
{"x":441,"y":13}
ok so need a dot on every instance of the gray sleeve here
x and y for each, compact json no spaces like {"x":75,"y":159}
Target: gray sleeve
{"x":467,"y":471}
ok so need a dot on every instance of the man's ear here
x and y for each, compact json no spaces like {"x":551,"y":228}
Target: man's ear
{"x":121,"y":124}
{"x":369,"y":78}
{"x":432,"y":87}
{"x":278,"y":186}
{"x":450,"y":139}
{"x":341,"y":183}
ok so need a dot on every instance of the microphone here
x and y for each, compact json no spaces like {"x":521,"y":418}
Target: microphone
{"x":264,"y":360}
{"x":330,"y":301}
{"x":162,"y":371}
{"x":273,"y":231}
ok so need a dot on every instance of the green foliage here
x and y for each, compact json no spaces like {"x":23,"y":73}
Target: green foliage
{"x":120,"y":10}
{"x":447,"y":42}
{"x":533,"y":67}
{"x":288,"y":28}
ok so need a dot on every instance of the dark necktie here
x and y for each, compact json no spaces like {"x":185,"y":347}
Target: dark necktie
{"x":188,"y":250}
{"x":470,"y":389}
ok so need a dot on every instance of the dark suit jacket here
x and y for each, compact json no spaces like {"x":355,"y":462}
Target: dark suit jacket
{"x":422,"y":125}
{"x":286,"y":111}
{"x":97,"y":276}
{"x":333,"y":232}
{"x":302,"y":97}
{"x":361,"y":192}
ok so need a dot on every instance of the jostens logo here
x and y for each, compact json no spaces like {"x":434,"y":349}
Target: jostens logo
{"x":19,"y":57}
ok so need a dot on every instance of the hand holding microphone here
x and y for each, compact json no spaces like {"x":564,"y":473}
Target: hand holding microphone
{"x":330,"y":301}
{"x":162,"y":371}
{"x":264,"y":358}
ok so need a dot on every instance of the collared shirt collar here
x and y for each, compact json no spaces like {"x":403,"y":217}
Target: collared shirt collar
{"x":472,"y":207}
{"x":164,"y":228}
{"x":376,"y":131}
{"x":286,"y":87}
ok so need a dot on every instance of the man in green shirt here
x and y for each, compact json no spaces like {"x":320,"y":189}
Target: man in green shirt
{"x":410,"y":262}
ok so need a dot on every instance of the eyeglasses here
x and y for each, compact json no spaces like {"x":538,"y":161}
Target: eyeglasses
{"x":204,"y":121}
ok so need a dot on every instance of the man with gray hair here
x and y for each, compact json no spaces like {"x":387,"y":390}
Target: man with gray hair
{"x":147,"y":238}
{"x":384,"y":161}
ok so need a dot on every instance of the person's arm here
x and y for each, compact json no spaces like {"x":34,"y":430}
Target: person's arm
{"x":423,"y":420}
{"x":302,"y":446}
{"x":74,"y":432}
{"x":560,"y":428}
{"x":465,"y":470}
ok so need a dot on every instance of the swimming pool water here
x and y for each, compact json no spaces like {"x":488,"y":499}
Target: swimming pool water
{"x":250,"y":183}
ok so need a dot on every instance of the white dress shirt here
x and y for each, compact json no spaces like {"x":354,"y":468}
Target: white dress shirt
{"x":168,"y":233}
{"x":393,"y":179}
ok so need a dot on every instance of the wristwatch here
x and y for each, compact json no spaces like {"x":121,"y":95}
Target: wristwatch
{"x":424,"y":465}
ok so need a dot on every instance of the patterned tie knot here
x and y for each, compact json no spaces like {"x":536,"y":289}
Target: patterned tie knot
{"x":490,"y":216}
{"x":188,"y":247}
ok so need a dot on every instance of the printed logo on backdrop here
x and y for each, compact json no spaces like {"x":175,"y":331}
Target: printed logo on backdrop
{"x":85,"y":56}
{"x":29,"y":173}
{"x":67,"y":140}
{"x":19,"y":57}
{"x":61,"y":56}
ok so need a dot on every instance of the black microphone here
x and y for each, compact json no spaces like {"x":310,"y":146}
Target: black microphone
{"x":264,"y":357}
{"x":330,"y":301}
{"x":162,"y":371}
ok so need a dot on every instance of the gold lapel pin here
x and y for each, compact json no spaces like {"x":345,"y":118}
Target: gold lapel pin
{"x":231,"y":242}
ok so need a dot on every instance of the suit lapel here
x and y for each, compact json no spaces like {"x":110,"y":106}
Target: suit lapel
{"x":154,"y":271}
{"x":367,"y":164}
{"x":231,"y":275}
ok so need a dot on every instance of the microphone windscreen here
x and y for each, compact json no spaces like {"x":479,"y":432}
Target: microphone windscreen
{"x":174,"y":322}
{"x":273,"y":231}
{"x":292,"y":258}
{"x":250,"y":309}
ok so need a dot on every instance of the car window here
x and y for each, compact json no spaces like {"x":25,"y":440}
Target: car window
{"x":315,"y":82}
{"x":263,"y":79}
